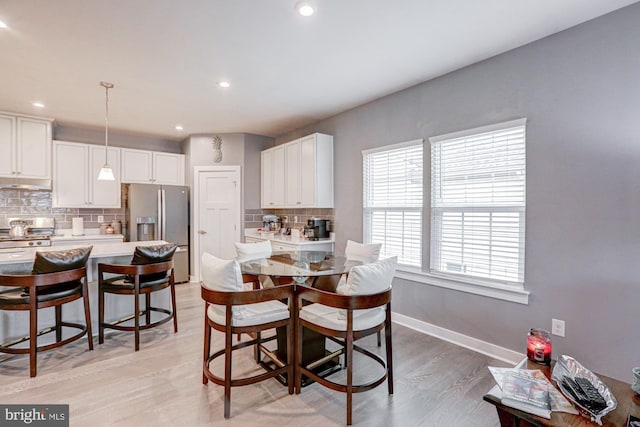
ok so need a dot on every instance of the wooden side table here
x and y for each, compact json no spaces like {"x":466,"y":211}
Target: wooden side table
{"x":628,"y":403}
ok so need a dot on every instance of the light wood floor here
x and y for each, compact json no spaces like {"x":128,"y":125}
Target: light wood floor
{"x":436,"y":383}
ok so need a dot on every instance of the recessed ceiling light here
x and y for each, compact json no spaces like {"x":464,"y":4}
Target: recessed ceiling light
{"x":3,"y":25}
{"x":304,"y":9}
{"x":224,"y":84}
{"x":179,"y":127}
{"x":38,"y":104}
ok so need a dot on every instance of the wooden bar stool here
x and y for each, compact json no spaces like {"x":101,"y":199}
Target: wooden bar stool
{"x":231,"y":309}
{"x":60,"y":277}
{"x":151,"y":270}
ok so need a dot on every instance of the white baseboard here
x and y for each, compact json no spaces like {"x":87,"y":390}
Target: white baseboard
{"x":456,"y":338}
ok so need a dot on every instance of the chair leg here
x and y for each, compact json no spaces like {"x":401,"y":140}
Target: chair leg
{"x":379,"y":339}
{"x":87,"y":313}
{"x":349,"y":357}
{"x":33,"y":336}
{"x":58,"y":312}
{"x":228,"y":338}
{"x":136,"y":307}
{"x":387,"y":335}
{"x":173,"y":307}
{"x":298,"y":358}
{"x":291,"y":357}
{"x":207,"y":346}
{"x":256,"y":348}
{"x":100,"y":315}
{"x":147,"y":311}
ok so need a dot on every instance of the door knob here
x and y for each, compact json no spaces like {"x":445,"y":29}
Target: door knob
{"x":202,"y":232}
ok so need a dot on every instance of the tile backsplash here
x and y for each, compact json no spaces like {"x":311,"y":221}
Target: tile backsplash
{"x":29,"y":203}
{"x":253,"y":217}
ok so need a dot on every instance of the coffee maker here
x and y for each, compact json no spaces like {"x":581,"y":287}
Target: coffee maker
{"x":317,"y":229}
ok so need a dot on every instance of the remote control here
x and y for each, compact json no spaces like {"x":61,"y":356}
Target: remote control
{"x":584,"y":393}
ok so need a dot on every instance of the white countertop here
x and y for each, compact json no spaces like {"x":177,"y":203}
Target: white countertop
{"x":25,"y":255}
{"x":65,"y":234}
{"x":296,"y":240}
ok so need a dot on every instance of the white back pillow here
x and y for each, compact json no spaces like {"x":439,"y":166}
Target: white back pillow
{"x":221,"y":275}
{"x":368,"y":279}
{"x":363,"y":253}
{"x":251,"y":251}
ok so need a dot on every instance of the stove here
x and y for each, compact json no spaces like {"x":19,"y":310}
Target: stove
{"x":38,"y":234}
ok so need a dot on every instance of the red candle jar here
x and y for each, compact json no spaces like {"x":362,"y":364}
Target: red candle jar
{"x":539,"y":346}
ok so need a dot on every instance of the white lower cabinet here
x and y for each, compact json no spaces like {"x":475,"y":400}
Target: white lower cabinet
{"x":75,"y":176}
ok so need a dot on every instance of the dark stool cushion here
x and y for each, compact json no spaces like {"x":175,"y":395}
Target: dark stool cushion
{"x":152,"y":255}
{"x":55,"y":261}
{"x":18,"y":296}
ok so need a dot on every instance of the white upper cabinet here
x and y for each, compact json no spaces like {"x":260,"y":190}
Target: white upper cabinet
{"x":151,"y":167}
{"x":75,"y":176}
{"x":25,"y":143}
{"x":273,"y":181}
{"x":308,"y":173}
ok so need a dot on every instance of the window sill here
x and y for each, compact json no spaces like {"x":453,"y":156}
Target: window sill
{"x":497,"y":291}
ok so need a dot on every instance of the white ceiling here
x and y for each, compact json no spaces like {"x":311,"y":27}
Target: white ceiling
{"x":286,"y":71}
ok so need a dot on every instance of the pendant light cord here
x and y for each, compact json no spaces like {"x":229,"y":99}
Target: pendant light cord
{"x":106,"y":86}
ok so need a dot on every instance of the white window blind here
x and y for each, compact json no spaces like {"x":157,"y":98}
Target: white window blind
{"x":392,"y":182}
{"x":478,"y":203}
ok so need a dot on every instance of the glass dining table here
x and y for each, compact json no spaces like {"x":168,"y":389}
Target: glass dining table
{"x":304,"y":267}
{"x":319,"y":269}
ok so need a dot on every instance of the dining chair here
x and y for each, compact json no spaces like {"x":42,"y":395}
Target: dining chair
{"x":150,"y":270}
{"x":231,"y":309}
{"x":251,"y":252}
{"x":57,"y":278}
{"x":362,"y":309}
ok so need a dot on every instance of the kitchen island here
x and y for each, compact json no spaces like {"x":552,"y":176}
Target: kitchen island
{"x":15,"y":324}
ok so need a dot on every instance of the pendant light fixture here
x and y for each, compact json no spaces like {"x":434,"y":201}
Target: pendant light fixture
{"x":106,"y":173}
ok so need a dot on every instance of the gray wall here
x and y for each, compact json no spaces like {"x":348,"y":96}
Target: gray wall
{"x":580,"y":91}
{"x":117,"y":139}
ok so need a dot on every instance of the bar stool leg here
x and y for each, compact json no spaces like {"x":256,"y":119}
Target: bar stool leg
{"x":33,"y":332}
{"x":173,"y":304}
{"x":207,"y":344}
{"x":147,"y":310}
{"x":58,"y":311}
{"x":136,"y":307}
{"x":100,"y":315}
{"x":87,"y":314}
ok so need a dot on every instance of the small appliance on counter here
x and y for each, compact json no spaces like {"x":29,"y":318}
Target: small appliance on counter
{"x":317,"y":229}
{"x":271,"y":223}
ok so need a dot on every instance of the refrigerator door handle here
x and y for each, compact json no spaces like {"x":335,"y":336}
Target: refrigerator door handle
{"x":164,"y":216}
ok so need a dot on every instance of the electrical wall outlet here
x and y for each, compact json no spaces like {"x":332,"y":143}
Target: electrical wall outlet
{"x":557,"y":327}
{"x":101,"y":218}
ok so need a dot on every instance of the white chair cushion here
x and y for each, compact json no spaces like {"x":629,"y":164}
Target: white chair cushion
{"x":221,"y":275}
{"x":329,"y":317}
{"x":251,"y":251}
{"x":368,"y":279}
{"x":252,"y":314}
{"x":363,"y":253}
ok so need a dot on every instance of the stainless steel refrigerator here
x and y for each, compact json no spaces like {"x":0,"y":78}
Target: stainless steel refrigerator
{"x":161,"y":212}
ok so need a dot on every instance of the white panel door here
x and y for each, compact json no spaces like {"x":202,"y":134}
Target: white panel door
{"x":168,"y":168}
{"x":308,"y":171}
{"x":137,"y":166}
{"x":7,"y":146}
{"x":34,"y":148}
{"x":104,"y":194}
{"x":70,"y":183}
{"x":218,"y":215}
{"x":292,"y":167}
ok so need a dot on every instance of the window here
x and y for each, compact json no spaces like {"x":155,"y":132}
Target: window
{"x":393,"y":200}
{"x":478,"y":203}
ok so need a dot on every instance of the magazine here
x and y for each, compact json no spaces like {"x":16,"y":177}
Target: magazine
{"x":526,"y":393}
{"x":558,"y":402}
